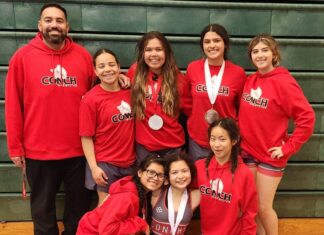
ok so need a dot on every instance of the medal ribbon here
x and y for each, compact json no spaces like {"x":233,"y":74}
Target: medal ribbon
{"x":213,"y":82}
{"x":174,"y":224}
{"x":155,"y":88}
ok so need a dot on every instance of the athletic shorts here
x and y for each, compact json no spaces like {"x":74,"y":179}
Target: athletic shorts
{"x":114,"y":173}
{"x":263,"y":168}
{"x":142,"y":152}
{"x":196,"y":151}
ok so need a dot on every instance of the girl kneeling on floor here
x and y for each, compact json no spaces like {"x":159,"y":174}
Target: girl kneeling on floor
{"x":125,"y":208}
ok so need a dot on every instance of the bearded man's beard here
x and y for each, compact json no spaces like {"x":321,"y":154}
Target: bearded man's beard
{"x":54,"y":39}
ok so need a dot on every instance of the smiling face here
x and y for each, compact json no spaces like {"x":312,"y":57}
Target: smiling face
{"x":221,"y":144}
{"x":107,"y":70}
{"x":54,"y":27}
{"x":179,"y":175}
{"x":262,"y":58}
{"x":214,"y":47}
{"x":154,"y":55}
{"x":150,"y":182}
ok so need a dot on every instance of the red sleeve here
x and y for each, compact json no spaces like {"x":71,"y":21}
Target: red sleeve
{"x":131,"y":72}
{"x":242,"y":80}
{"x":185,"y":94}
{"x":194,"y":182}
{"x":298,"y":108}
{"x":120,"y":216}
{"x":14,"y":107}
{"x":249,"y":206}
{"x":87,"y":117}
{"x":117,"y":216}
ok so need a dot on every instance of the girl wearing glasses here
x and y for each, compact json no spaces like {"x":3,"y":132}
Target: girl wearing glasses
{"x":173,"y":206}
{"x":156,"y":97}
{"x":105,"y":117}
{"x":125,"y":209}
{"x":228,"y":202}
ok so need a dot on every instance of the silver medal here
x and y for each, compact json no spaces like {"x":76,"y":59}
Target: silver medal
{"x":155,"y":122}
{"x":211,"y":116}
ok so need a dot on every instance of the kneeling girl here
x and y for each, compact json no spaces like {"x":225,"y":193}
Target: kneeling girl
{"x":125,"y":209}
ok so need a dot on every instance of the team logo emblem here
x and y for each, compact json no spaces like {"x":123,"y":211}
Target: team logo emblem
{"x":217,"y":185}
{"x":59,"y":77}
{"x":256,"y":93}
{"x":158,"y":209}
{"x":125,"y":113}
{"x":124,"y":108}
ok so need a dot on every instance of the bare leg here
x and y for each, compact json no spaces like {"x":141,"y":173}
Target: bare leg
{"x":260,"y":228}
{"x":267,"y":187}
{"x":101,"y":197}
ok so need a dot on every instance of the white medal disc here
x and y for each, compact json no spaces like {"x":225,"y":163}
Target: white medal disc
{"x":211,"y":116}
{"x":155,"y":122}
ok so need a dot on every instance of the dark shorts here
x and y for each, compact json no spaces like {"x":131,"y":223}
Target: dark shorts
{"x":196,"y":151}
{"x":114,"y":173}
{"x":263,"y":168}
{"x":142,"y":152}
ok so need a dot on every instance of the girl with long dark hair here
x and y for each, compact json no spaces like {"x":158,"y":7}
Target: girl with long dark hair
{"x":228,"y":202}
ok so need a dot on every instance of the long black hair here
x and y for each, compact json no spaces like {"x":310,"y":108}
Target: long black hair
{"x":144,"y":198}
{"x":230,"y":126}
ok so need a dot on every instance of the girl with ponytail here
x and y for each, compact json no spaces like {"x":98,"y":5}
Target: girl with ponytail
{"x":126,"y":208}
{"x":228,"y":202}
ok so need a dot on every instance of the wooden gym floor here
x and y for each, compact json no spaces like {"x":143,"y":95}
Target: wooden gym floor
{"x":286,"y":227}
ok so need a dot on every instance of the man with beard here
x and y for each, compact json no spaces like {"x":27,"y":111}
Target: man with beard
{"x":45,"y":82}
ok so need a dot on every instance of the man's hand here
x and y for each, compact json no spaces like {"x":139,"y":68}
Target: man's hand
{"x":19,"y":161}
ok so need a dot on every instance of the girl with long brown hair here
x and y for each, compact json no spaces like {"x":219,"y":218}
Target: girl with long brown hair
{"x":157,"y":89}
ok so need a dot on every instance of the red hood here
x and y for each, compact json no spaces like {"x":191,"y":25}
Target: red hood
{"x":123,"y":185}
{"x":37,"y":42}
{"x":278,"y":71}
{"x":227,"y":164}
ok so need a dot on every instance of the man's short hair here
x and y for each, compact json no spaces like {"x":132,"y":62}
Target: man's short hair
{"x":56,"y":5}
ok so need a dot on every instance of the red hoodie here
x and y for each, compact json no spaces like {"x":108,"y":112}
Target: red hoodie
{"x":171,"y":135}
{"x":43,"y":91}
{"x":233,"y":209}
{"x":227,"y":101}
{"x":267,"y":104}
{"x":118,"y":215}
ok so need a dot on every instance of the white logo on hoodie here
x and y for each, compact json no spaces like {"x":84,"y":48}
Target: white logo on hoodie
{"x":59,"y":77}
{"x":217,"y":185}
{"x":255,"y":99}
{"x":59,"y":72}
{"x":256,"y":93}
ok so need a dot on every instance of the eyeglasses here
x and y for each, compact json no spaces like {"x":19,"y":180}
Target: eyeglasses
{"x":152,"y":174}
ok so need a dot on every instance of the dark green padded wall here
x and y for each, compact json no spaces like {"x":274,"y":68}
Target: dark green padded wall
{"x":119,"y":24}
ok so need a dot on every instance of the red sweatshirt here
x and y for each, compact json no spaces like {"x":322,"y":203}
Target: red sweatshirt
{"x":43,"y":92}
{"x":267,"y":104}
{"x":118,"y":215}
{"x":227,"y":101}
{"x":171,"y":135}
{"x":107,"y":117}
{"x":228,"y":202}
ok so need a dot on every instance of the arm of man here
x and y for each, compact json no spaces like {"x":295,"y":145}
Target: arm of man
{"x":14,"y":90}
